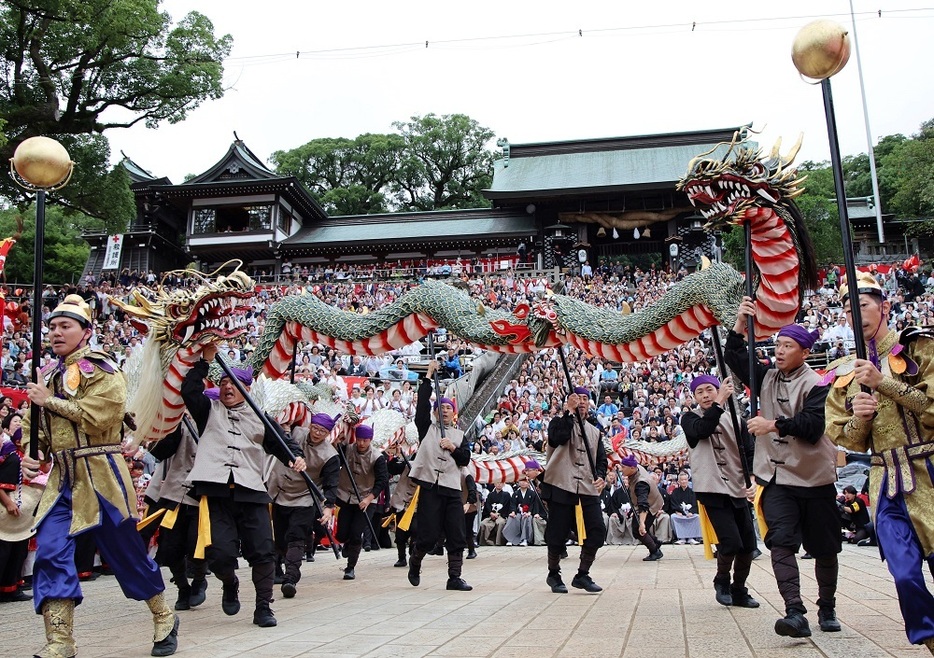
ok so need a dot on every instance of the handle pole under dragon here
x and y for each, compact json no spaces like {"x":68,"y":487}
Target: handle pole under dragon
{"x":294,"y":358}
{"x":316,"y":494}
{"x":580,"y":420}
{"x":435,"y":382}
{"x":38,"y":263}
{"x":734,"y":417}
{"x":751,"y":328}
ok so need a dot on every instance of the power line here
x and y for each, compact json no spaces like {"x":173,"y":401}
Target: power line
{"x":383,"y":50}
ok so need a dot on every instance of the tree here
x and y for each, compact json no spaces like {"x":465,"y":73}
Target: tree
{"x":348,"y":176}
{"x":65,"y":251}
{"x":446,"y":165}
{"x":74,"y":69}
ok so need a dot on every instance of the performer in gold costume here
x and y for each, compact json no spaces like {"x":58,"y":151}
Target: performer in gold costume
{"x":895,"y":422}
{"x":82,"y":397}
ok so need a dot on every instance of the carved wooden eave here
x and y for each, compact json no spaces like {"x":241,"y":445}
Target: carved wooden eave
{"x":623,"y":219}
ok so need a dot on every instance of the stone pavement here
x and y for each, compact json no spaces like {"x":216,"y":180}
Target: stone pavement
{"x":662,"y":609}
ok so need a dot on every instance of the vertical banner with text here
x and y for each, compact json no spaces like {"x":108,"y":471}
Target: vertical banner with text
{"x":114,"y":250}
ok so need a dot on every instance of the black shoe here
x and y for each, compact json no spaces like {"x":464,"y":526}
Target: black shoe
{"x":366,"y":548}
{"x":15,"y":597}
{"x":741,"y":598}
{"x":401,"y":562}
{"x":263,"y":616}
{"x":458,"y":584}
{"x":168,"y":645}
{"x":651,"y":557}
{"x":827,"y":618}
{"x":198,"y":589}
{"x":278,"y":579}
{"x":471,"y":554}
{"x":585,"y":582}
{"x":349,"y":573}
{"x":288,"y":590}
{"x":557,"y":585}
{"x":807,"y":556}
{"x":794,"y":624}
{"x":414,"y":573}
{"x":867,"y":542}
{"x":564,"y":553}
{"x":230,"y":601}
{"x":309,"y":556}
{"x":27,"y":583}
{"x":756,"y":554}
{"x":723,"y":595}
{"x":183,"y":600}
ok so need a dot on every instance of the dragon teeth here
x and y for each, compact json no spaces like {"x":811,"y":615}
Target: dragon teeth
{"x":765,"y":195}
{"x":189,"y":332}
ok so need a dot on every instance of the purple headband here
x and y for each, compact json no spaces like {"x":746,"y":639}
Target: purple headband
{"x":245,"y":375}
{"x":800,"y":335}
{"x":446,"y":401}
{"x":212,"y":393}
{"x":325,"y":421}
{"x":363,"y":432}
{"x":704,"y":379}
{"x":532,"y":465}
{"x":582,"y":390}
{"x":630,"y":461}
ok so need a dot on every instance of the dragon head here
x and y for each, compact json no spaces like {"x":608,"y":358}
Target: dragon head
{"x":184,"y":316}
{"x":722,"y":189}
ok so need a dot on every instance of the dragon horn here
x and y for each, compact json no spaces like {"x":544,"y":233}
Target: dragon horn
{"x":793,"y":153}
{"x":775,"y":150}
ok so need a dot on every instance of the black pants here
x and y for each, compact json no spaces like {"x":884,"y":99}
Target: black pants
{"x":440,"y":515}
{"x":351,"y":521}
{"x":292,"y":524}
{"x":807,"y":516}
{"x":562,"y":518}
{"x":12,"y":556}
{"x":238,"y":525}
{"x":732,"y":521}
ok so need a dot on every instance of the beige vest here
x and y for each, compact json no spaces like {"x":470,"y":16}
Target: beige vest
{"x":179,"y":465}
{"x":656,"y":502}
{"x":363,"y":474}
{"x":288,"y":488}
{"x":791,"y":460}
{"x":715,"y":462}
{"x":402,"y":492}
{"x":568,"y":467}
{"x":231,"y":448}
{"x":433,"y":464}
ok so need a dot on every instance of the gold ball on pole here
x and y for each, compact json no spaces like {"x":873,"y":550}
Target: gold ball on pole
{"x":821,"y":49}
{"x":42,"y":162}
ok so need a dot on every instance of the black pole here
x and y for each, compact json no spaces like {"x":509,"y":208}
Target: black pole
{"x":580,"y":421}
{"x":356,"y":492}
{"x":316,"y":494}
{"x":38,"y":264}
{"x":845,"y":234}
{"x":294,"y":357}
{"x":751,"y":329}
{"x":737,"y":428}
{"x":190,"y":426}
{"x":434,"y":379}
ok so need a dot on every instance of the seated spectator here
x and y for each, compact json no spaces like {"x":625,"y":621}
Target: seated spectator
{"x":496,"y":510}
{"x":854,"y":515}
{"x":614,"y":500}
{"x":606,"y":411}
{"x":527,"y":512}
{"x":685,"y":521}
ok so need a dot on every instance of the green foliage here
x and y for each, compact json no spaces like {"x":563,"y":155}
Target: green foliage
{"x":65,"y":253}
{"x":73,"y":69}
{"x":433,"y":163}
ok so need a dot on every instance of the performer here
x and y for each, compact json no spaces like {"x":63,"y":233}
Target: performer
{"x":294,"y":511}
{"x":795,"y":463}
{"x":401,"y":496}
{"x":470,"y":499}
{"x":368,"y":470}
{"x":436,"y":471}
{"x":82,"y":398}
{"x":647,"y":503}
{"x":893,"y":422}
{"x":568,"y":481}
{"x":720,"y":486}
{"x":228,"y":480}
{"x":178,"y":531}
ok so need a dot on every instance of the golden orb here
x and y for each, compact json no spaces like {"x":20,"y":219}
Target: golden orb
{"x":42,"y":162}
{"x":821,"y":49}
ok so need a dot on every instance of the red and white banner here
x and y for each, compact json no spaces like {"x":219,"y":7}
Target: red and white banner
{"x":113,"y":253}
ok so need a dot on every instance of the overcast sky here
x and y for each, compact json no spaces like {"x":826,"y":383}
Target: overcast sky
{"x":541,"y":71}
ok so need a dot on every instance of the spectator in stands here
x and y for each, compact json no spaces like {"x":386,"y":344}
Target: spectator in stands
{"x":496,"y":510}
{"x":684,"y":519}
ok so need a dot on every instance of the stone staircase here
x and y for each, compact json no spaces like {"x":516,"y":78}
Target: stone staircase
{"x":488,"y":390}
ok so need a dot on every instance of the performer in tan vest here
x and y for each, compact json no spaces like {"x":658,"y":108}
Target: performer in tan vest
{"x":647,"y":503}
{"x":436,"y":470}
{"x":368,"y":470}
{"x":795,"y":464}
{"x":718,"y":482}
{"x":293,"y":509}
{"x":567,"y":482}
{"x":228,"y":479}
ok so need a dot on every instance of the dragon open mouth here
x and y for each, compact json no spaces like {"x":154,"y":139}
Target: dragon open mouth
{"x":219,"y":315}
{"x":718,"y":199}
